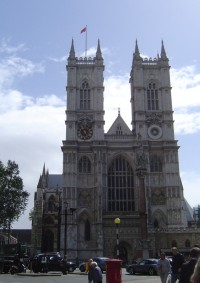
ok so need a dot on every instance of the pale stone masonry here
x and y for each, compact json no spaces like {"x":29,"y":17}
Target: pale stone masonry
{"x":102,"y":171}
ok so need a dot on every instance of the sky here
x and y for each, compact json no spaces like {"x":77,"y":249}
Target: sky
{"x":35,"y":39}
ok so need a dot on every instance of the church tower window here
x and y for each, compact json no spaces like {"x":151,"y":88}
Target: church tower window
{"x":119,"y":131}
{"x":120,"y":186}
{"x":155,"y":163}
{"x":152,"y":97}
{"x":85,"y":96}
{"x":84,"y":165}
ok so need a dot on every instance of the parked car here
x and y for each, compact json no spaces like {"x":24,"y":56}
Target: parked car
{"x":55,"y":262}
{"x":145,"y":266}
{"x":101,"y":261}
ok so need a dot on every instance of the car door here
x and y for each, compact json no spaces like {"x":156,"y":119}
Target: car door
{"x":142,"y":266}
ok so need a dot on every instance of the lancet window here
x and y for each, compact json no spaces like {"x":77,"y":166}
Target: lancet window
{"x":85,"y":96}
{"x":152,"y":96}
{"x":84,"y":165}
{"x":155,"y":163}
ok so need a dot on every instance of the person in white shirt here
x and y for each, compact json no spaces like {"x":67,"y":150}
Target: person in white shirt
{"x":164,"y":267}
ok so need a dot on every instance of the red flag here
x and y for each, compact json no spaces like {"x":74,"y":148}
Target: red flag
{"x":83,"y":30}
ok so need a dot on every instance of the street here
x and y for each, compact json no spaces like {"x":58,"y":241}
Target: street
{"x":75,"y":277}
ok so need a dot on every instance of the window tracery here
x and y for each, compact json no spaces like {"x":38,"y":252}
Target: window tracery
{"x":152,"y":96}
{"x":85,"y":96}
{"x":120,"y":186}
{"x":84,"y":165}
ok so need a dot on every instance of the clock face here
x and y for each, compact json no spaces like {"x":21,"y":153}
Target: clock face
{"x":154,"y":132}
{"x":84,"y":132}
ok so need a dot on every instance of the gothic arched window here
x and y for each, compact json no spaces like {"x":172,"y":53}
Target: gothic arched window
{"x":120,"y":186}
{"x":155,"y":163}
{"x":152,"y":97}
{"x":84,"y":165}
{"x":51,"y":203}
{"x":85,"y":96}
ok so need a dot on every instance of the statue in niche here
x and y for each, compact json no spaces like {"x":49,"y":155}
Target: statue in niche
{"x":141,"y":160}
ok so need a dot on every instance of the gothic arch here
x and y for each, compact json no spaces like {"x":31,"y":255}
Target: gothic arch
{"x":51,"y":203}
{"x":84,"y":165}
{"x":120,"y":185}
{"x":152,"y":96}
{"x":84,"y":228}
{"x":155,"y":162}
{"x":125,"y":156}
{"x":125,"y":251}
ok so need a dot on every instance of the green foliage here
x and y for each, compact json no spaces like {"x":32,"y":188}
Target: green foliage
{"x":14,"y":198}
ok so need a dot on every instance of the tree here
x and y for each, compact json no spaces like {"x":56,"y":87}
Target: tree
{"x":14,"y":198}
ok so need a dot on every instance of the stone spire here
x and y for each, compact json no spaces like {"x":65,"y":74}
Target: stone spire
{"x":163,"y":53}
{"x":98,"y":53}
{"x":72,"y":58}
{"x":136,"y":56}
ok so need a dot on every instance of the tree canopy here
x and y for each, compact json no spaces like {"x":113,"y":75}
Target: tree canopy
{"x":13,"y":197}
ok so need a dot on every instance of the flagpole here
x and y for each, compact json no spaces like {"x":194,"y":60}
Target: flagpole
{"x":86,"y":43}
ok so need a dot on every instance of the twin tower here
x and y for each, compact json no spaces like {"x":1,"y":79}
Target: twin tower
{"x":131,"y":174}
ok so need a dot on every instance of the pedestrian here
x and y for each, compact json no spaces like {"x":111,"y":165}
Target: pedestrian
{"x":177,"y":261}
{"x":164,"y":267}
{"x":97,"y":278}
{"x":90,"y":271}
{"x":187,"y":268}
{"x":195,"y":278}
{"x":44,"y":264}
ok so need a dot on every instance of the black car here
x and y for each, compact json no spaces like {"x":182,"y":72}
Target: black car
{"x":101,"y":261}
{"x":145,"y":266}
{"x":54,"y":262}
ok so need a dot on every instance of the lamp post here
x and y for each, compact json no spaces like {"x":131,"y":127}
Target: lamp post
{"x":66,"y":213}
{"x":117,"y":222}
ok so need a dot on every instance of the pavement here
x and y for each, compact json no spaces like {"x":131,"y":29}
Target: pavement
{"x":50,"y":273}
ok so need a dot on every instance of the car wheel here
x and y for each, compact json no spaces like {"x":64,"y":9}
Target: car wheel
{"x":82,"y":268}
{"x":151,"y":271}
{"x":70,"y":269}
{"x":131,"y":271}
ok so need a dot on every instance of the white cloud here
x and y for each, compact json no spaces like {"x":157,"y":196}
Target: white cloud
{"x":5,"y":47}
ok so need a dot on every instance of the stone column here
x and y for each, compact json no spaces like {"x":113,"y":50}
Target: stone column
{"x":141,"y":171}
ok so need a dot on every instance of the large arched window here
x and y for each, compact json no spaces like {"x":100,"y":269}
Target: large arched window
{"x":51,"y":203}
{"x":152,"y":97}
{"x":85,"y":96}
{"x":120,"y":186}
{"x":84,"y":165}
{"x":155,"y":163}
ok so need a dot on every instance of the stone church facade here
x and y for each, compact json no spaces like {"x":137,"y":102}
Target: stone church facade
{"x":131,"y":174}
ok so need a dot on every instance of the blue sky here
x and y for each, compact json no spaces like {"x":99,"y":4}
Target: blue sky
{"x":34,"y":45}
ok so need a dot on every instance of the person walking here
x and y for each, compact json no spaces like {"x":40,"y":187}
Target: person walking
{"x":187,"y":268}
{"x":177,"y":261}
{"x":97,"y":273}
{"x":164,"y":267}
{"x":90,"y":271}
{"x":195,"y":278}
